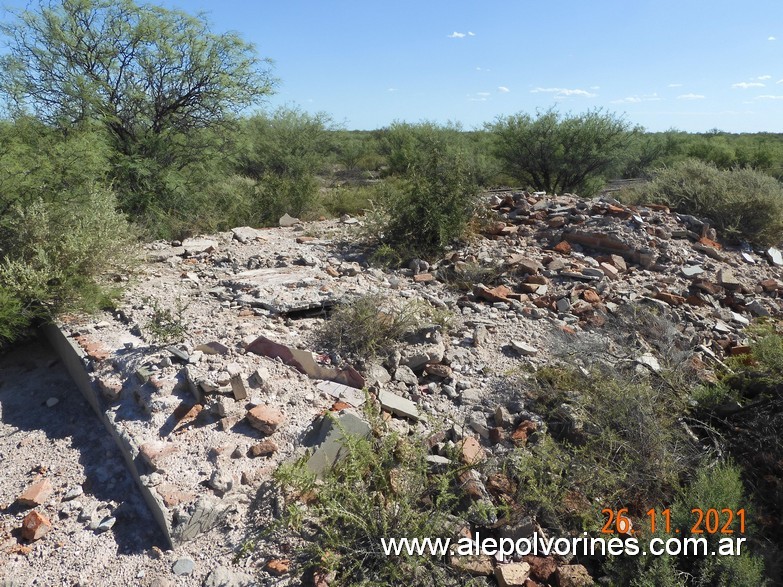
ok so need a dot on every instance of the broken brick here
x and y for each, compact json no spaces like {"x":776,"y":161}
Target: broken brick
{"x":35,"y":525}
{"x":265,"y":419}
{"x":669,"y":298}
{"x":278,"y":566}
{"x":264,"y":448}
{"x":471,"y":451}
{"x":424,"y":278}
{"x":591,"y":296}
{"x":496,"y":294}
{"x":36,"y":494}
{"x":563,"y":248}
{"x":523,"y":431}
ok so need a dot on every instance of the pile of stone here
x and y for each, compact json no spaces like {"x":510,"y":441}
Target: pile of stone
{"x":205,"y":421}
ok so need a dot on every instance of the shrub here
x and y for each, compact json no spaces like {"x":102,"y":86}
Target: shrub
{"x":742,"y":204}
{"x":557,"y":153}
{"x":381,"y":488}
{"x":61,"y":235}
{"x":372,"y":324}
{"x":434,"y":206}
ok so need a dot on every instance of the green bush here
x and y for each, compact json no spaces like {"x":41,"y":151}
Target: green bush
{"x":742,"y":204}
{"x":381,"y":488}
{"x":436,"y":200}
{"x":61,"y":236}
{"x":371,"y":325}
{"x":719,"y":486}
{"x":559,"y":153}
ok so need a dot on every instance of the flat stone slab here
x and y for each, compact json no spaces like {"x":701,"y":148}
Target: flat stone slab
{"x":398,"y":405}
{"x":334,"y":431}
{"x":286,"y":289}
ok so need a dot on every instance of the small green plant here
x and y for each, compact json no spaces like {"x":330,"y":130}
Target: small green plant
{"x":381,"y":488}
{"x":370,"y":325}
{"x":165,"y":325}
{"x":463,"y":276}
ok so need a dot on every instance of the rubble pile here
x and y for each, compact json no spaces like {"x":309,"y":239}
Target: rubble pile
{"x":208,"y":419}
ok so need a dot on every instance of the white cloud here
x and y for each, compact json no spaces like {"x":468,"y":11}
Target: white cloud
{"x":471,"y":34}
{"x":482,"y":93}
{"x":392,"y":90}
{"x":636,"y":99}
{"x":456,"y":35}
{"x":563,"y":92}
{"x":674,"y":86}
{"x":479,"y":99}
{"x":595,"y":87}
{"x":764,"y":77}
{"x":746,"y":85}
{"x":691,"y":97}
{"x":503,"y":90}
{"x":780,"y":81}
{"x":771,"y":38}
{"x":769,"y":97}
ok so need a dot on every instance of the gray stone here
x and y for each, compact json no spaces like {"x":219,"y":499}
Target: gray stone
{"x":726,"y":279}
{"x":563,"y":305}
{"x":437,"y":461}
{"x":238,"y":387}
{"x":405,"y":374}
{"x":225,"y":577}
{"x":195,"y":246}
{"x":183,"y":566}
{"x":740,"y":319}
{"x":105,"y":524}
{"x":375,"y":374}
{"x":523,"y":348}
{"x":524,"y":528}
{"x":333,"y":431}
{"x":206,"y":514}
{"x":398,"y":405}
{"x":350,"y":395}
{"x":692,"y":270}
{"x":722,"y":327}
{"x":288,"y":221}
{"x":775,"y":256}
{"x":757,"y":308}
{"x":245,"y":234}
{"x":748,"y":258}
{"x":592,"y":272}
{"x":470,"y":396}
{"x":221,"y":481}
{"x":650,"y":361}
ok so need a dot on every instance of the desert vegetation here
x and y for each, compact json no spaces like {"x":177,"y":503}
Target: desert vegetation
{"x":127,"y":123}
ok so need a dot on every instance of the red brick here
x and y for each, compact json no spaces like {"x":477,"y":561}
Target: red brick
{"x":541,"y":568}
{"x":471,"y":451}
{"x":35,"y":525}
{"x":563,"y":248}
{"x":264,"y":448}
{"x":496,"y":294}
{"x":525,"y":429}
{"x":278,"y":566}
{"x":669,"y":298}
{"x":36,"y":494}
{"x":591,"y":296}
{"x":266,"y":419}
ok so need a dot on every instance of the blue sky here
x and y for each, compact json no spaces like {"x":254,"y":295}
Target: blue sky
{"x":689,"y":64}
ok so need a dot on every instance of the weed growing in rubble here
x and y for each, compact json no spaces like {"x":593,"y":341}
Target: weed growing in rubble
{"x":372,"y":324}
{"x":165,"y":325}
{"x":381,"y":488}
